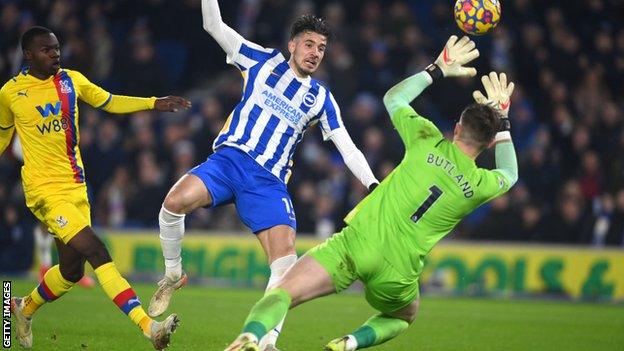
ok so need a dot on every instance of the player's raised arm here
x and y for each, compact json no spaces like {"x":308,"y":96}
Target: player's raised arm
{"x":7,"y":124}
{"x":240,"y":52}
{"x":225,"y":36}
{"x":499,"y":93}
{"x":401,"y":95}
{"x":100,"y":98}
{"x":450,"y":63}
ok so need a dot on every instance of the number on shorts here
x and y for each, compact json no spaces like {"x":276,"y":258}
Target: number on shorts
{"x":435,"y":195}
{"x":289,"y":206}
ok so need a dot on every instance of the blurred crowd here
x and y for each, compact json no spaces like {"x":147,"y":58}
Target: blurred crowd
{"x":566,"y":57}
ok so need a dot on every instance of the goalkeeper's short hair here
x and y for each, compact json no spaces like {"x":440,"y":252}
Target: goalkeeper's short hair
{"x":480,"y":123}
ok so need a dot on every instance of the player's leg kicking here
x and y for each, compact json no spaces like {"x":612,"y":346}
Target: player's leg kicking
{"x":59,"y":279}
{"x":332,"y":267}
{"x":377,"y":330}
{"x":305,"y":281}
{"x":188,"y":194}
{"x":77,"y":242}
{"x":389,"y":291}
{"x":279,"y":245}
{"x":55,"y":282}
{"x":43,"y":248}
{"x":262,"y":202}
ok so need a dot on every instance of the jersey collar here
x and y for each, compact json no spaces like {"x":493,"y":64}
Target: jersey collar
{"x":28,"y":76}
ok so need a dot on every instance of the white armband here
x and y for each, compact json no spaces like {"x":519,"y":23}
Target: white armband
{"x":502,"y":136}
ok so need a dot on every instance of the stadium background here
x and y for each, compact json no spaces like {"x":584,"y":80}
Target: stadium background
{"x":566,"y":57}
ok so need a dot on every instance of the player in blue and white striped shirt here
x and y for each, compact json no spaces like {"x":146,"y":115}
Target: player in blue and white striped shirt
{"x":253,"y":152}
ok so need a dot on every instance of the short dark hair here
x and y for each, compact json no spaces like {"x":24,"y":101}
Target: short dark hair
{"x":480,"y":123}
{"x":30,"y":35}
{"x":310,"y":23}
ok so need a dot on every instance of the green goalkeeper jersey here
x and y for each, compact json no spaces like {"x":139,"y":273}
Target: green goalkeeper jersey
{"x":425,"y":196}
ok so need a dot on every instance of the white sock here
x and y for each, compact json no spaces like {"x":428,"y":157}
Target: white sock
{"x":278,"y":269}
{"x":43,"y":243}
{"x":351,"y":343}
{"x":171,"y":234}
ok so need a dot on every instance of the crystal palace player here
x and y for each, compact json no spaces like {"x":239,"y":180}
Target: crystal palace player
{"x":253,"y":153}
{"x":391,"y":231}
{"x":41,"y":104}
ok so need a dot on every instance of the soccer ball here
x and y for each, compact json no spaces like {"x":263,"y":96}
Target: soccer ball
{"x":477,"y":17}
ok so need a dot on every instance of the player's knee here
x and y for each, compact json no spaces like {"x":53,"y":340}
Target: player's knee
{"x":73,"y":272}
{"x":407,"y":313}
{"x":410,"y":318}
{"x":411,"y":311}
{"x":97,"y":254}
{"x":178,"y":203}
{"x":296,"y":299}
{"x":284,"y":249}
{"x":90,"y":247}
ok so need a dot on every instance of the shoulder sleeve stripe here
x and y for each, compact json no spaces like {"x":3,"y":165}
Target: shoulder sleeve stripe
{"x":7,"y":128}
{"x":256,"y":54}
{"x":439,"y":142}
{"x":110,"y":97}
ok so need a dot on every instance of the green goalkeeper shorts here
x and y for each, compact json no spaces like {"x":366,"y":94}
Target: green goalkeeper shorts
{"x":347,"y":257}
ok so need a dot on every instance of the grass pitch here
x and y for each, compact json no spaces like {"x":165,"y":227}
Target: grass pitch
{"x":212,"y":317}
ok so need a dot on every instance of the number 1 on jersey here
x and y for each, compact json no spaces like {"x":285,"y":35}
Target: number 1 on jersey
{"x":435,"y":195}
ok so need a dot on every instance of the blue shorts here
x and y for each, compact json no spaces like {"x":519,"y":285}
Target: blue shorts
{"x":261,"y":199}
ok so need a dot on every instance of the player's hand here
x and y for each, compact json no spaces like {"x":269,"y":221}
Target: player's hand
{"x":455,"y":55}
{"x":498,"y":92}
{"x":171,"y":104}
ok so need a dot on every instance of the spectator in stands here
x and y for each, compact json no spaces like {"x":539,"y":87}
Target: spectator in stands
{"x":615,"y":226}
{"x":571,"y":222}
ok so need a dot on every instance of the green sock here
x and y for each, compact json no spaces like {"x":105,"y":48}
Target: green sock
{"x":378,"y":330}
{"x":267,"y":312}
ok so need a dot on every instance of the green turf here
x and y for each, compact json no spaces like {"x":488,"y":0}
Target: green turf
{"x":211,"y":317}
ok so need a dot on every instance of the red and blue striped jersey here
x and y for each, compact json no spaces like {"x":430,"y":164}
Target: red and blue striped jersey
{"x":45,"y":115}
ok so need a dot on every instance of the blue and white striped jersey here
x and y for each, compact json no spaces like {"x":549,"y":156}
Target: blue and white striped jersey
{"x":276,"y":109}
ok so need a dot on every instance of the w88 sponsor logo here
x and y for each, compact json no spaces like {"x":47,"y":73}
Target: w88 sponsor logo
{"x":55,"y":125}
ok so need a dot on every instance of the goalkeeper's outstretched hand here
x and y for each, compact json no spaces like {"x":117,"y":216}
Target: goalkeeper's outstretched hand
{"x":498,"y":92}
{"x":455,"y":55}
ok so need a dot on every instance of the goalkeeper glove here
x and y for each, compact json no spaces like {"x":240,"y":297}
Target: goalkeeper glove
{"x":498,"y":96}
{"x":456,"y":53}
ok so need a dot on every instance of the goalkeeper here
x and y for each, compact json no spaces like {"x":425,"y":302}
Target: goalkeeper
{"x":391,"y":231}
